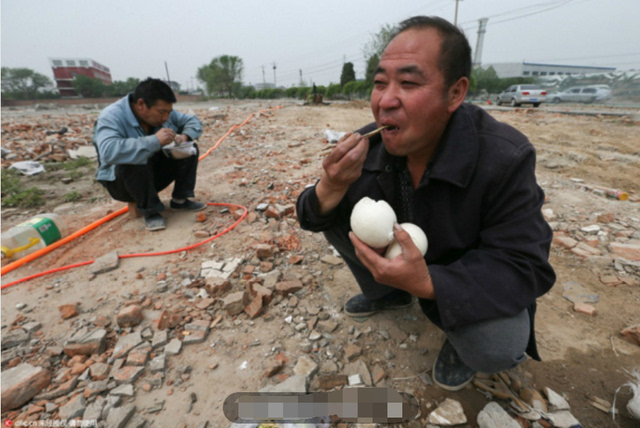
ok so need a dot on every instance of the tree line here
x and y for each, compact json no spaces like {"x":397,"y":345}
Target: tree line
{"x":222,"y":78}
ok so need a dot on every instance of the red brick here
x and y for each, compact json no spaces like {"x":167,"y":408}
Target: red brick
{"x":585,"y":308}
{"x":129,"y":316}
{"x":630,"y":334}
{"x":287,"y":287}
{"x":68,"y":311}
{"x":627,"y":251}
{"x":254,"y":308}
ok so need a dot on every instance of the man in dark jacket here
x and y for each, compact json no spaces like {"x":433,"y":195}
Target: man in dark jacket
{"x":467,"y":180}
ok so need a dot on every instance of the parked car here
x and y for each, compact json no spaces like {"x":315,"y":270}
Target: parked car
{"x":517,"y":95}
{"x":582,"y":94}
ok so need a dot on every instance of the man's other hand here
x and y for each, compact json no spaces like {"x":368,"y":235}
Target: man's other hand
{"x":182,"y":138}
{"x":408,"y":271}
{"x":165,"y":136}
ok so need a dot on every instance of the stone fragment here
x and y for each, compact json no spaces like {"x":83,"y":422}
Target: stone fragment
{"x":173,"y":347}
{"x":158,"y":364}
{"x":285,"y":288}
{"x":217,"y":287}
{"x":327,"y":326}
{"x":632,"y":334}
{"x":68,"y":311}
{"x":99,"y":371}
{"x":564,"y":241}
{"x":129,"y":316}
{"x":585,"y":308}
{"x":74,"y":408}
{"x":124,"y":390}
{"x":575,"y":292}
{"x":96,"y":387}
{"x":352,"y":351}
{"x":14,"y":338}
{"x":296,"y":383}
{"x":234,"y":303}
{"x":205,"y":303}
{"x":354,"y":380}
{"x":360,"y":368}
{"x":585,"y":250}
{"x":159,"y":339}
{"x":119,"y":416}
{"x":448,"y":413}
{"x":126,"y":343}
{"x":254,"y":308}
{"x":194,"y":336}
{"x":138,"y":357}
{"x":86,"y":342}
{"x":21,"y":383}
{"x":93,"y":411}
{"x":493,"y":415}
{"x":556,"y":401}
{"x":562,"y":419}
{"x":305,"y":366}
{"x":168,"y":320}
{"x":259,"y":290}
{"x":627,"y":251}
{"x":377,"y":374}
{"x":331,"y":381}
{"x":127,"y":374}
{"x":331,"y":260}
{"x":62,"y":389}
{"x":105,"y":263}
{"x":264,"y":251}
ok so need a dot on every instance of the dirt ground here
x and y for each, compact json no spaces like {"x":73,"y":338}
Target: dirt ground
{"x":270,"y":160}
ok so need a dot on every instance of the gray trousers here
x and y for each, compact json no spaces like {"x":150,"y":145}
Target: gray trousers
{"x":489,"y":346}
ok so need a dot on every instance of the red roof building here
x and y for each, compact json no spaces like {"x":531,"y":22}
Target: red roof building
{"x":66,"y":69}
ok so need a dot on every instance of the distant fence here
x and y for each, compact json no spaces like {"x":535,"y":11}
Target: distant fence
{"x":79,"y":101}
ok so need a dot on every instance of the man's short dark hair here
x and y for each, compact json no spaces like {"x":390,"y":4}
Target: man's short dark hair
{"x":455,"y":52}
{"x":152,"y":90}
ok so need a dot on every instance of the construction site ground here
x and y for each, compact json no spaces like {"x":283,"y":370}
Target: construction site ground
{"x":270,"y":160}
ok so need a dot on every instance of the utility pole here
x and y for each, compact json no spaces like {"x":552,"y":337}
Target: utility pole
{"x":301,"y":81}
{"x":274,"y":74}
{"x":455,"y":19}
{"x":264,"y":81}
{"x":166,"y":67}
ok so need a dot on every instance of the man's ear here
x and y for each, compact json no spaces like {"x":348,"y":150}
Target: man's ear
{"x":140,"y":105}
{"x":457,"y":93}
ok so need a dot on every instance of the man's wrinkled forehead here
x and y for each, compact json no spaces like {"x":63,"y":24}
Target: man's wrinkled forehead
{"x":409,"y":70}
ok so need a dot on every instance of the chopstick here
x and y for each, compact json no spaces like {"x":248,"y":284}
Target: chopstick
{"x":375,"y":131}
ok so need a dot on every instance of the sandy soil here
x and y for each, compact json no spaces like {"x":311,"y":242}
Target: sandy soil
{"x":271,"y":159}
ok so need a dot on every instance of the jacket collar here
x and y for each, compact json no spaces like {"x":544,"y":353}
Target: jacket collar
{"x":125,"y":105}
{"x":455,"y":158}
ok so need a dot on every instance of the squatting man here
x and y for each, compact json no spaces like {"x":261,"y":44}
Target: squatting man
{"x":467,"y":180}
{"x":132,"y":137}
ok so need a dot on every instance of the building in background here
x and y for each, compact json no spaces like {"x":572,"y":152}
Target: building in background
{"x":66,"y":69}
{"x":529,"y":69}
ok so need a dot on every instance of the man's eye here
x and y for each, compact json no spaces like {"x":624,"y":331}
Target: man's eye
{"x":409,"y":83}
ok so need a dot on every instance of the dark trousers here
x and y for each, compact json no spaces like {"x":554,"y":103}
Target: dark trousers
{"x":489,"y":346}
{"x":141,"y":183}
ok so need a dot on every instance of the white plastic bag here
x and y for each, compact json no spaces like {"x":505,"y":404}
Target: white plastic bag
{"x":180,"y":151}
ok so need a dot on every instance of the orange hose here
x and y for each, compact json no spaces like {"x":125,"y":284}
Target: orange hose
{"x":42,"y":251}
{"x":26,"y":259}
{"x":125,"y":256}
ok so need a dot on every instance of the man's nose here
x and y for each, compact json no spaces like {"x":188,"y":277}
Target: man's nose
{"x":389,"y":98}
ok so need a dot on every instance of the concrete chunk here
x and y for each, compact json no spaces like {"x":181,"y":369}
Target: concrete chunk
{"x":21,"y":383}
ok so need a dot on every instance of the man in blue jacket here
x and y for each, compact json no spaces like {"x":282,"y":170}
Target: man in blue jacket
{"x":129,"y":136}
{"x":467,"y":180}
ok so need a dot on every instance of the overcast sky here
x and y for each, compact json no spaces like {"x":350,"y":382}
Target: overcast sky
{"x":134,"y":38}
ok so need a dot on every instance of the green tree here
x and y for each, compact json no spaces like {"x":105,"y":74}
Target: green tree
{"x":372,"y":64}
{"x":120,"y":88}
{"x":88,"y":87}
{"x":378,"y":41}
{"x":348,"y":74}
{"x":222,"y":74}
{"x":23,"y":83}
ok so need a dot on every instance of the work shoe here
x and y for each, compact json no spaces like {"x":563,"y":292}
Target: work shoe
{"x":188,"y":205}
{"x":449,"y":372}
{"x":361,"y":306}
{"x":154,"y":222}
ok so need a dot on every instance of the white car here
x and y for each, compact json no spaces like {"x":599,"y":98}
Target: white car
{"x":516,"y":95}
{"x":582,"y":94}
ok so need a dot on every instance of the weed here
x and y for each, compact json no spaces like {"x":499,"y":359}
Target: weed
{"x":72,"y":196}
